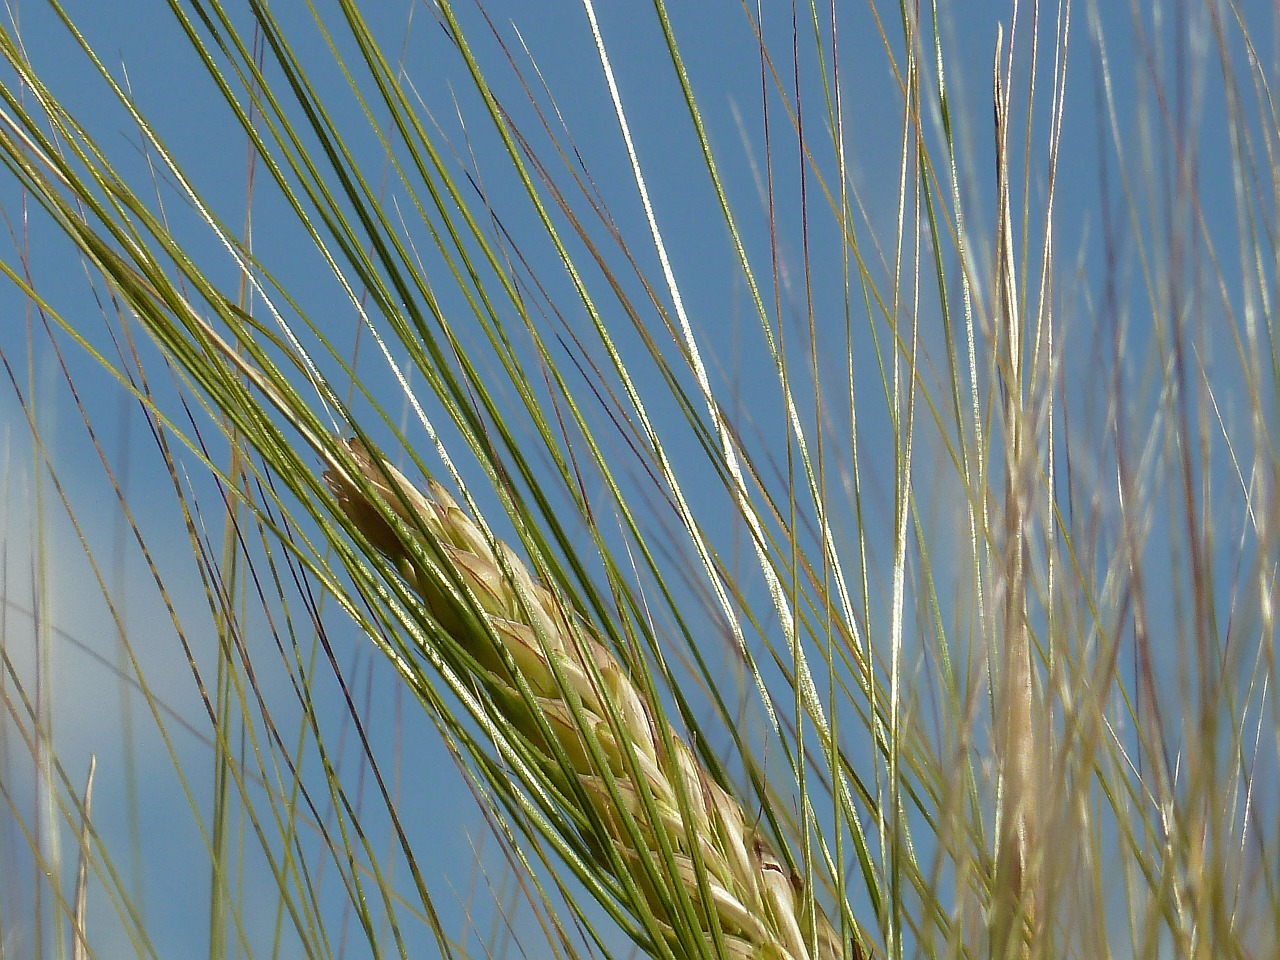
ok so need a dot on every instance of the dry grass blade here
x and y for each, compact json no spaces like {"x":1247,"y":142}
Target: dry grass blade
{"x":583,"y":692}
{"x":80,"y":942}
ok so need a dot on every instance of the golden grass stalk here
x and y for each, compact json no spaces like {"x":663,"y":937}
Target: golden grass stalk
{"x":762,"y":909}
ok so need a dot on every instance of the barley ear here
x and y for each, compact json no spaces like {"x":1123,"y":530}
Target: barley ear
{"x":762,"y":910}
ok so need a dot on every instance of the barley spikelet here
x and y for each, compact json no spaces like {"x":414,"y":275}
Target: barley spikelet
{"x":762,"y":909}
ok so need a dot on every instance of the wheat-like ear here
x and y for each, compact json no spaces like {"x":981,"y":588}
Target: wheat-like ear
{"x":762,"y":909}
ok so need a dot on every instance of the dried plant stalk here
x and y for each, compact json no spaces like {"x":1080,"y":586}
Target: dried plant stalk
{"x":762,"y":909}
